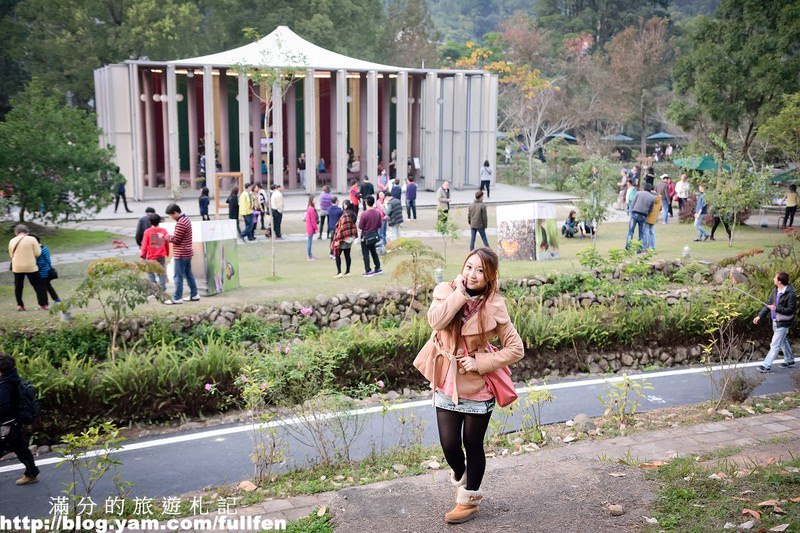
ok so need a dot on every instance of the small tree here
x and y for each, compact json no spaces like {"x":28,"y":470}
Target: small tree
{"x":118,"y":286}
{"x":448,"y":230}
{"x":418,"y":266}
{"x":89,"y":457}
{"x":277,"y":82}
{"x":594,"y":180}
{"x":51,"y":158}
{"x":561,"y":157}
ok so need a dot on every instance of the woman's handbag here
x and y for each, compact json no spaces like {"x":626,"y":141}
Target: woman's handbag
{"x":53,"y":274}
{"x":499,"y":382}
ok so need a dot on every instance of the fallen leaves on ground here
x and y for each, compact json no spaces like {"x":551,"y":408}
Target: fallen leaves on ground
{"x":652,"y":464}
{"x":750,"y":512}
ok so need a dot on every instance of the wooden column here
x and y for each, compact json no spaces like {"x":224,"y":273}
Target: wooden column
{"x":386,"y":116}
{"x":173,"y":147}
{"x":165,"y":135}
{"x":208,"y":123}
{"x":310,"y":123}
{"x":339,"y":127}
{"x":224,"y":122}
{"x":291,"y":135}
{"x":243,"y":103}
{"x":372,"y":126}
{"x":402,"y":125}
{"x":277,"y":133}
{"x":194,"y":139}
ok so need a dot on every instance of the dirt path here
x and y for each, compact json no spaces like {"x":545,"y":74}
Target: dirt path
{"x":524,"y":494}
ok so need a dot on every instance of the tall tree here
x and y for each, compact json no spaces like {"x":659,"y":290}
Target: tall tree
{"x":602,"y":18}
{"x":69,"y":38}
{"x":51,"y":159}
{"x":783,"y":129}
{"x":735,"y":68}
{"x":410,"y":36}
{"x":12,"y":71}
{"x":640,"y":59}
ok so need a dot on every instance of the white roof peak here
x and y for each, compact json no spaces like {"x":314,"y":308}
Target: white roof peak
{"x":284,"y":48}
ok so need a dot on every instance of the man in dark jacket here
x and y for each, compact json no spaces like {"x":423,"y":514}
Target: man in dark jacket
{"x":477,"y":220}
{"x":12,"y":435}
{"x":781,"y":307}
{"x":143,"y":225}
{"x":364,"y":190}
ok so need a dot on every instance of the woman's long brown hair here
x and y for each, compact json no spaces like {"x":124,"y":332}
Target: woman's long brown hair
{"x":490,"y":263}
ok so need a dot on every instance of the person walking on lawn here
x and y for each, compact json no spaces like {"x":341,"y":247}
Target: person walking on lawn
{"x":182,"y":253}
{"x":781,"y":307}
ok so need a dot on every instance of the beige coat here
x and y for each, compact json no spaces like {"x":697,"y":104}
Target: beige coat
{"x":23,"y":256}
{"x":434,"y":359}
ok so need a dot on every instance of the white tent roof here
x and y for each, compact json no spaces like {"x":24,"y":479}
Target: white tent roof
{"x":284,"y":48}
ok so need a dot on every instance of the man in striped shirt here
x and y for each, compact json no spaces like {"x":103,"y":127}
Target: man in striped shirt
{"x":182,"y":253}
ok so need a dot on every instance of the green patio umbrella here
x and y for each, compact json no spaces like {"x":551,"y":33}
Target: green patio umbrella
{"x":702,"y":164}
{"x":618,"y":138}
{"x":660,"y":136}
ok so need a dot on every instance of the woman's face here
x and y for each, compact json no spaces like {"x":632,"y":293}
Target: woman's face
{"x":473,"y":274}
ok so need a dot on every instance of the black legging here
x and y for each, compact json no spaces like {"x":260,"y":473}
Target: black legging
{"x":322,"y":218}
{"x":346,"y":253}
{"x":485,"y":184}
{"x":451,"y":424}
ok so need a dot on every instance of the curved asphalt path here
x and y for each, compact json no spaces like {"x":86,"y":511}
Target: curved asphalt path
{"x":179,"y":463}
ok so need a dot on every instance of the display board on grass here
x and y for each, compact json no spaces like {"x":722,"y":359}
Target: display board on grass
{"x":527,"y":232}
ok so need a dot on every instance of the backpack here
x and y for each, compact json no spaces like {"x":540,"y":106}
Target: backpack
{"x":29,"y":408}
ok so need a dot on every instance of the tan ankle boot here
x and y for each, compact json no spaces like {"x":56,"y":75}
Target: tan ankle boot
{"x":466,"y":506}
{"x":458,"y":482}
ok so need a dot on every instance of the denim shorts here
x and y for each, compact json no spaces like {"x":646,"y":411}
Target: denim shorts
{"x":470,"y":407}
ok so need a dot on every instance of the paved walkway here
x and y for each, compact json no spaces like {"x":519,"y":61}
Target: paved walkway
{"x":526,"y":471}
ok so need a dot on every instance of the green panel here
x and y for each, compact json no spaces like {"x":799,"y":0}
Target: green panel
{"x":301,"y":118}
{"x":183,"y":125}
{"x":233,"y":123}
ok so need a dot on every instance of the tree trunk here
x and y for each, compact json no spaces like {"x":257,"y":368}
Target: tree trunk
{"x":643,"y":109}
{"x":733,"y":228}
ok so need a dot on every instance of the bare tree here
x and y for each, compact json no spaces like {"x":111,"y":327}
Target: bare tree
{"x":640,"y":60}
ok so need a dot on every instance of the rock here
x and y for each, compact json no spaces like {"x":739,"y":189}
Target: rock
{"x":434,"y":465}
{"x":341,"y":323}
{"x":392,"y":395}
{"x":399,"y":468}
{"x":583,"y":423}
{"x":627,"y":360}
{"x":346,"y":313}
{"x":247,"y":486}
{"x":322,"y":300}
{"x":594,"y":368}
{"x":616,"y":510}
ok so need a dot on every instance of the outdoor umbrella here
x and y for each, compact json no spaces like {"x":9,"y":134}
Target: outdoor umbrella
{"x":660,"y":136}
{"x":618,"y":138}
{"x":702,"y":164}
{"x":562,"y":135}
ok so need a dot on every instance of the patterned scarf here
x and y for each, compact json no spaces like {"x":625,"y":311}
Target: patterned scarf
{"x":471,"y":308}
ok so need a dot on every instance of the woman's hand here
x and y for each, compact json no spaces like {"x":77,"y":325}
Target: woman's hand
{"x":461,"y":284}
{"x":469,"y":364}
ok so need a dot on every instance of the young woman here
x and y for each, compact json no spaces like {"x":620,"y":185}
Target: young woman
{"x":311,"y":225}
{"x":343,"y":238}
{"x":486,"y":177}
{"x":570,"y":227}
{"x":204,"y":201}
{"x":465,"y":314}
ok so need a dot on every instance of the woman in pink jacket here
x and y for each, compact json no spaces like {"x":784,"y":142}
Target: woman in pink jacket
{"x":465,"y":314}
{"x":311,"y":225}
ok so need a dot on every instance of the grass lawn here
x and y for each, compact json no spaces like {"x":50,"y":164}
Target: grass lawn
{"x":60,"y":240}
{"x":298,"y":279}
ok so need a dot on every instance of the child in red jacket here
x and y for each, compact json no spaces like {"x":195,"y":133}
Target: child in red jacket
{"x":155,"y":247}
